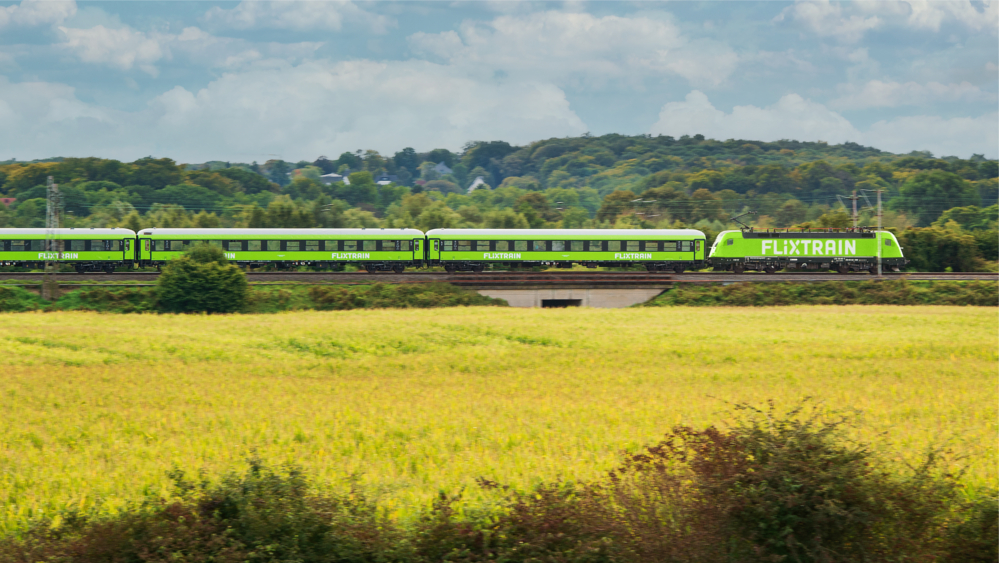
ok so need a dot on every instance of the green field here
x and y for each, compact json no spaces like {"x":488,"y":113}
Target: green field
{"x":96,"y":408}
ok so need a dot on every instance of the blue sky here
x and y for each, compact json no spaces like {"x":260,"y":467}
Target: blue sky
{"x":254,"y":80}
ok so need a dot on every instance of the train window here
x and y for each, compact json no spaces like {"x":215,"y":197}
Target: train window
{"x":159,"y":245}
{"x":368,"y":244}
{"x":595,"y":246}
{"x":350,"y":245}
{"x":482,"y":245}
{"x":253,"y":245}
{"x":502,"y":245}
{"x":447,"y":245}
{"x":539,"y":246}
{"x":274,"y":245}
{"x":389,"y":245}
{"x":217,"y":243}
{"x":670,"y":246}
{"x":558,"y":246}
{"x":77,"y":245}
{"x":96,"y":245}
{"x":404,"y":245}
{"x":463,"y":245}
{"x":632,"y":246}
{"x":576,"y":245}
{"x":729,"y":242}
{"x":312,"y":245}
{"x":115,"y":245}
{"x":687,"y":246}
{"x":614,"y":245}
{"x":520,"y":245}
{"x":888,"y":242}
{"x":651,"y":246}
{"x":234,"y":246}
{"x":17,"y":245}
{"x":178,"y":244}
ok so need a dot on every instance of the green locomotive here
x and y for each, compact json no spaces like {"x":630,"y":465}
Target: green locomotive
{"x":374,"y":249}
{"x":843,"y":250}
{"x":87,"y":250}
{"x":656,"y":249}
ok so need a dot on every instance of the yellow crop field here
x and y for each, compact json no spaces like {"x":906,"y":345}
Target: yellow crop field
{"x":94,"y":409}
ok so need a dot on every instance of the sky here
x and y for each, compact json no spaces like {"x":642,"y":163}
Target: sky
{"x":256,"y":80}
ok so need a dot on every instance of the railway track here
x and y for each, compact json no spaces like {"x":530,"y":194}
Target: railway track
{"x":501,"y":278}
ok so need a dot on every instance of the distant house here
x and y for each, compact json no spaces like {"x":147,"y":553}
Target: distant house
{"x":386,"y":179}
{"x":7,"y":200}
{"x":442,"y":168}
{"x":331,"y":178}
{"x":477,"y":183}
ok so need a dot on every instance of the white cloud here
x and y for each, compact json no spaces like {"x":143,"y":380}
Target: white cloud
{"x":876,"y":93}
{"x":124,"y":48}
{"x":121,"y":48}
{"x":850,"y":21}
{"x":791,"y":118}
{"x":579,"y":47}
{"x":293,"y":111}
{"x":33,"y":13}
{"x":296,"y":15}
{"x":794,"y":117}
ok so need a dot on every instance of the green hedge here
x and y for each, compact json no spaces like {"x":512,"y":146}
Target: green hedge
{"x":887,"y":292}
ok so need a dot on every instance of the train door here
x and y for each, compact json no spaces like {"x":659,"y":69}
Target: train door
{"x":418,"y":251}
{"x":434,"y":251}
{"x":126,"y":248}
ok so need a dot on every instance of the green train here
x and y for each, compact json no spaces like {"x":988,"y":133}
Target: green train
{"x":471,"y":250}
{"x":847,"y":250}
{"x":466,"y":250}
{"x":87,"y":250}
{"x":374,"y":249}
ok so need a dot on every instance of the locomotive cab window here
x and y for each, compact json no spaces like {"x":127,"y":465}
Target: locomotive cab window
{"x":520,"y":245}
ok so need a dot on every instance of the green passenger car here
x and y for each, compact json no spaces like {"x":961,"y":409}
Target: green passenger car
{"x":844,"y":250}
{"x":657,"y":250}
{"x":87,"y":250}
{"x":374,"y":249}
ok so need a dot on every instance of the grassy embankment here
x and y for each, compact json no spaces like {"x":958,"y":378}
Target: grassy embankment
{"x":273,"y":299}
{"x":97,"y":408}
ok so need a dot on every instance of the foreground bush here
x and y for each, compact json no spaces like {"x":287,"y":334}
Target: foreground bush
{"x":201,"y":280}
{"x":772,"y":488}
{"x":886,"y":292}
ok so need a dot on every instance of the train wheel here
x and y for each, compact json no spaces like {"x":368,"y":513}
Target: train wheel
{"x":109,"y":269}
{"x":370,"y":268}
{"x":873,"y":270}
{"x":770,"y":269}
{"x":843,"y":269}
{"x":738,"y":269}
{"x":679,"y":269}
{"x":478,"y":268}
{"x":398,"y":268}
{"x":449,"y":268}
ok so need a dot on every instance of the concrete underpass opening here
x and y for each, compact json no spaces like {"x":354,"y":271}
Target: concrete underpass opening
{"x":561,"y":303}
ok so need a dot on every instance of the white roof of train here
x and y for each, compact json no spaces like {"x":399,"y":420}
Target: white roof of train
{"x":596,"y":233}
{"x":281,"y":232}
{"x":68,"y":231}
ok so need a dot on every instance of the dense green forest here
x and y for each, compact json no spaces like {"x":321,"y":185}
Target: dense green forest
{"x":613,"y":181}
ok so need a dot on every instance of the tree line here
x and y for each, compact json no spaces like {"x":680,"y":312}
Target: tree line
{"x":612,"y":181}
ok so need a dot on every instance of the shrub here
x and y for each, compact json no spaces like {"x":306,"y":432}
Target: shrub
{"x":934,"y":249}
{"x":201,"y":280}
{"x":383,"y":296}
